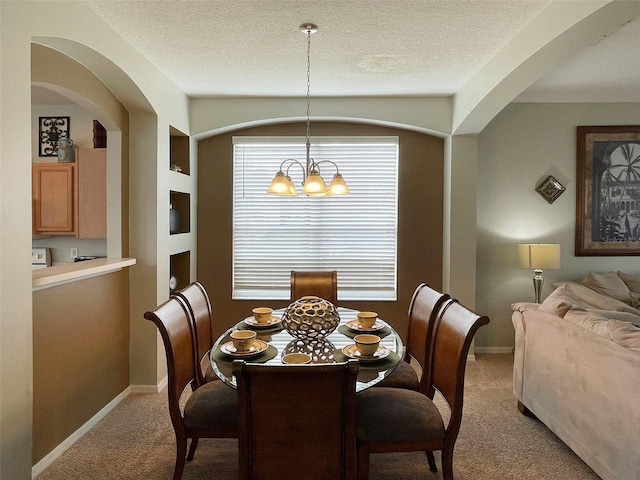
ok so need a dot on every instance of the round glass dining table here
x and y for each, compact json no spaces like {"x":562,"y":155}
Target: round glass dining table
{"x":336,"y":347}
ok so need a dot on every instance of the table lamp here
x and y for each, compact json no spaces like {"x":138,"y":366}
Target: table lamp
{"x":539,"y":256}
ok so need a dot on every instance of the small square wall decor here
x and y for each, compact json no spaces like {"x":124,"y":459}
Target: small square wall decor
{"x":550,"y":189}
{"x":51,"y":129}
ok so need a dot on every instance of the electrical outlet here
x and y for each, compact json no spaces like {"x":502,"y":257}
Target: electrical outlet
{"x":74,"y":253}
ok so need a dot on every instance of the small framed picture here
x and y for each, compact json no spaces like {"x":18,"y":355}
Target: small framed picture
{"x":550,"y":189}
{"x":50,"y":130}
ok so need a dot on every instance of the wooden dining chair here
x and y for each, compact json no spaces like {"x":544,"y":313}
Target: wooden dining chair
{"x":319,"y":284}
{"x":211,"y":411}
{"x":296,"y":421}
{"x":400,"y":420}
{"x":197,"y":300}
{"x":423,"y":311}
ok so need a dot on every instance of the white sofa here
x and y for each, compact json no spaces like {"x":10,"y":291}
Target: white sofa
{"x":577,"y":369}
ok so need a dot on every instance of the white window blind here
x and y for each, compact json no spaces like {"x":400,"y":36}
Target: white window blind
{"x":354,"y":234}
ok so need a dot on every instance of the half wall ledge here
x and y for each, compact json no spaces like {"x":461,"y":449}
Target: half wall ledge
{"x":73,"y":272}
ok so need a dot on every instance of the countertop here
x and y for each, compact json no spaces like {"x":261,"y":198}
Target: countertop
{"x":72,"y":272}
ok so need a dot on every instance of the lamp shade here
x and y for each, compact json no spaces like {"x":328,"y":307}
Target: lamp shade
{"x":338,"y":186}
{"x":314,"y":185}
{"x":539,"y":256}
{"x":282,"y":185}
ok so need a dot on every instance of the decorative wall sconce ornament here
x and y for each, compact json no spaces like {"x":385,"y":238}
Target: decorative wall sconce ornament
{"x":50,"y":130}
{"x":550,"y":189}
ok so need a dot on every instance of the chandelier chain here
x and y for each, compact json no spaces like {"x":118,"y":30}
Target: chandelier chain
{"x":308,"y":135}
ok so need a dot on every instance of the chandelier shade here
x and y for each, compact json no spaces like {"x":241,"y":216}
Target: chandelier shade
{"x":313,"y":185}
{"x":282,"y":185}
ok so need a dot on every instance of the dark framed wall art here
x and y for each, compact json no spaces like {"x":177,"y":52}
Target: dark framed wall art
{"x":50,"y":130}
{"x":608,"y":190}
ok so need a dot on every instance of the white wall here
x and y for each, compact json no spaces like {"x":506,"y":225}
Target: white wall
{"x":516,"y":151}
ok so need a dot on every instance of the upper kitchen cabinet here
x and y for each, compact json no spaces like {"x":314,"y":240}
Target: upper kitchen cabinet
{"x":53,"y":198}
{"x":71,"y":198}
{"x":92,"y":192}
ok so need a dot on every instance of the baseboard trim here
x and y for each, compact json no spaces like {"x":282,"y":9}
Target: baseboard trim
{"x":48,"y":459}
{"x":494,"y":349}
{"x":149,"y":388}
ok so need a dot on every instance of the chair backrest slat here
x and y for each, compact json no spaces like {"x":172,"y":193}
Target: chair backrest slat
{"x":174,"y":324}
{"x":319,"y":284}
{"x":197,"y":300}
{"x":423,"y":312}
{"x":453,"y":334}
{"x":296,"y":421}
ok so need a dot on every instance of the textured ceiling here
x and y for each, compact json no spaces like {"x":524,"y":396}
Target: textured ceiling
{"x":362,"y":48}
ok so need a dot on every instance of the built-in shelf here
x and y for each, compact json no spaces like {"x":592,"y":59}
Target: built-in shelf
{"x":179,"y":151}
{"x":180,"y":267}
{"x":180,"y":202}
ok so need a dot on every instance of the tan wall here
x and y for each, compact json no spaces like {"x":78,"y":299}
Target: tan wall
{"x":420,"y":210}
{"x":81,"y":355}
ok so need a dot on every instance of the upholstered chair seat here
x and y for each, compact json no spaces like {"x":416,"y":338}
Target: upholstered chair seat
{"x":403,"y":376}
{"x":212,"y":405}
{"x":381,"y":410}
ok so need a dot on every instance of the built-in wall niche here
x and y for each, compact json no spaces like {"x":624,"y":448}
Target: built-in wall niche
{"x":179,"y":151}
{"x":179,"y":268}
{"x":179,"y":212}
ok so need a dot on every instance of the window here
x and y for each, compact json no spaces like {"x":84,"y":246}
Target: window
{"x":354,"y":234}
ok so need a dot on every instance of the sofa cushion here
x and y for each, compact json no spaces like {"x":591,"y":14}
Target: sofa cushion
{"x":625,"y":334}
{"x":608,"y":284}
{"x":622,"y":316}
{"x":561,"y":300}
{"x":635,"y":299}
{"x":594,"y":299}
{"x":591,"y":321}
{"x":631,"y":281}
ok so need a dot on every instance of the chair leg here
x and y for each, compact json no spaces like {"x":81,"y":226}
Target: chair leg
{"x":192,"y":448}
{"x":447,"y":462}
{"x":432,"y":462}
{"x":362,"y":464}
{"x":181,"y":451}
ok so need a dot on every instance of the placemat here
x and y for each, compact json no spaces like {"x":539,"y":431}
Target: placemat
{"x":346,"y":331}
{"x":245,"y":326}
{"x":268,"y":354}
{"x":388,"y":362}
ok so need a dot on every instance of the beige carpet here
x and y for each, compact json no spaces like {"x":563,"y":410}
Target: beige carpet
{"x":135,"y":441}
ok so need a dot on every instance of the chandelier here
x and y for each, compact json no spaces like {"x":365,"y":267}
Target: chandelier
{"x":312,"y":182}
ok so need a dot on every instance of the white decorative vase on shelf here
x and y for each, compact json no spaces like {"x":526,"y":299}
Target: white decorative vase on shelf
{"x":311,"y":318}
{"x":66,"y":153}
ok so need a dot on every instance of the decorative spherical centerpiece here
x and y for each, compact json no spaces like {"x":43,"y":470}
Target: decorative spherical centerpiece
{"x":321,"y":351}
{"x":310,"y":318}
